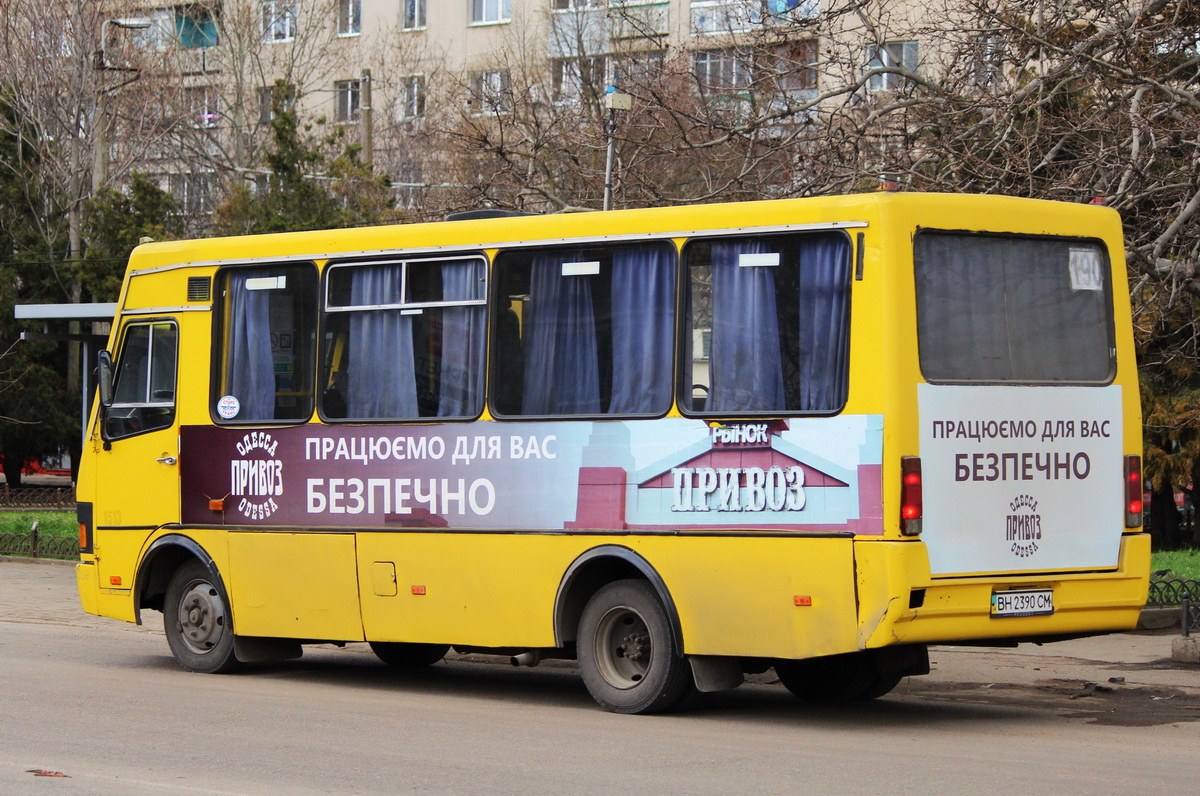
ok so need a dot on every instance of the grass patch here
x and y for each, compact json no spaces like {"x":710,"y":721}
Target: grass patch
{"x":50,"y":523}
{"x":1184,"y":564}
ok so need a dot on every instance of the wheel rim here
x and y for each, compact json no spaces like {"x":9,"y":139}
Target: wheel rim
{"x":201,"y":617}
{"x":624,"y":651}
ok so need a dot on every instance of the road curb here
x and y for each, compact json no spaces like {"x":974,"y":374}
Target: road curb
{"x":31,"y":560}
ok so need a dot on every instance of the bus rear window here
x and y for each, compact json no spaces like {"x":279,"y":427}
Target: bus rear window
{"x":1013,"y":309}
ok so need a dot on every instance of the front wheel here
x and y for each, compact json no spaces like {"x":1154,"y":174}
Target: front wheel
{"x":197,"y":622}
{"x":627,"y":651}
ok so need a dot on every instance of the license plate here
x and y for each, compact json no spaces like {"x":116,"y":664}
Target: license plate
{"x":1028,"y":602}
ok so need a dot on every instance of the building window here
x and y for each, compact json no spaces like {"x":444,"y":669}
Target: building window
{"x":794,"y":67}
{"x":723,"y":16}
{"x":278,"y":20}
{"x":190,"y":27}
{"x":491,"y":10}
{"x":346,"y":99}
{"x":196,"y":27}
{"x":987,"y":61}
{"x":414,"y":15}
{"x":638,"y":19}
{"x":890,"y":55}
{"x":203,"y":105}
{"x":410,"y":104}
{"x":792,"y":9}
{"x":491,"y":91}
{"x":576,"y":78}
{"x":638,"y":68}
{"x":192,"y":192}
{"x":721,"y":71}
{"x":349,"y":17}
{"x":576,"y":5}
{"x":267,"y":100}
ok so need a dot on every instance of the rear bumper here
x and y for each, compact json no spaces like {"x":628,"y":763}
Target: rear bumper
{"x":958,"y":609}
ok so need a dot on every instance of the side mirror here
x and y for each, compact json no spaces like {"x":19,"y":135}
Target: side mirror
{"x":104,"y":375}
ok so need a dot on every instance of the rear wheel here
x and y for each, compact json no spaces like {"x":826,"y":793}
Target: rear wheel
{"x":836,"y":678}
{"x":197,"y":621}
{"x":627,"y":651}
{"x":409,"y":656}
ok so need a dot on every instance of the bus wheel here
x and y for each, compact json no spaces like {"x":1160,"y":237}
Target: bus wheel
{"x":409,"y":656}
{"x":196,"y":620}
{"x":626,"y":650}
{"x":836,"y":678}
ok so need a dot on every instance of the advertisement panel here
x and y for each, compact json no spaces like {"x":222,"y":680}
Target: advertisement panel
{"x":1021,"y":478}
{"x":816,"y":475}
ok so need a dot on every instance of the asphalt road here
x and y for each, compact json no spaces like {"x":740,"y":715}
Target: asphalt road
{"x":102,"y":704}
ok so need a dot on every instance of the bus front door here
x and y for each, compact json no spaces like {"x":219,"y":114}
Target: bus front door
{"x":137,"y":474}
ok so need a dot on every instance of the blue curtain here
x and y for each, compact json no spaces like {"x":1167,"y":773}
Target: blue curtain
{"x":251,"y":374}
{"x":746,"y":368}
{"x":824,"y":310}
{"x":561,"y":363}
{"x":381,"y":381}
{"x":463,"y":335}
{"x":643,"y":320}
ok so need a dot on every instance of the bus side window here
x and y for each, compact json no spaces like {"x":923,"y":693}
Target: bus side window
{"x":584,"y":331}
{"x":405,"y":339}
{"x":144,"y":391}
{"x":768,"y":324}
{"x":268,"y":334}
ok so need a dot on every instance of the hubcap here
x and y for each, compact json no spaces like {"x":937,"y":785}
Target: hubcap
{"x":623,"y":648}
{"x":201,"y":617}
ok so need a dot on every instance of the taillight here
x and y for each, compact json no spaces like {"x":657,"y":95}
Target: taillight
{"x":911,"y":509}
{"x":1133,"y":491}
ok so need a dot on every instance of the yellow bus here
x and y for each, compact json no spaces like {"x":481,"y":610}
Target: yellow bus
{"x":678,"y":445}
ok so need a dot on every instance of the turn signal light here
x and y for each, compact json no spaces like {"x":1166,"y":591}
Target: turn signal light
{"x":911,"y":506}
{"x":1133,"y":491}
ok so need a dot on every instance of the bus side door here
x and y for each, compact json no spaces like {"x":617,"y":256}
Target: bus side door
{"x":137,"y":475}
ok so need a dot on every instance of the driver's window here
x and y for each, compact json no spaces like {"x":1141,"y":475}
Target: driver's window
{"x":144,"y":392}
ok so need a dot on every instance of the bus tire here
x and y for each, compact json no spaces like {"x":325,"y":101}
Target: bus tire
{"x":850,"y":677}
{"x":408,"y":656}
{"x":626,"y":649}
{"x":197,"y":621}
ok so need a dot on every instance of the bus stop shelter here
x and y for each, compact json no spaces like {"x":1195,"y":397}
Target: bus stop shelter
{"x":89,"y":344}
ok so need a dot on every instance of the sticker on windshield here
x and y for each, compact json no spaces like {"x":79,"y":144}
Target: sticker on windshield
{"x":228,"y":407}
{"x":1086,"y":273}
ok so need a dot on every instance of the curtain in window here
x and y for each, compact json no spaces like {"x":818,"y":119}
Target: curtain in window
{"x":463,"y":335}
{"x":561,"y":363}
{"x":251,"y":373}
{"x":746,"y":367}
{"x":643,"y":300}
{"x":381,"y":378}
{"x":824,"y":320}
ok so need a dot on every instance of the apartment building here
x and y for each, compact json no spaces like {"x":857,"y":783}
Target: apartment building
{"x":390,"y":72}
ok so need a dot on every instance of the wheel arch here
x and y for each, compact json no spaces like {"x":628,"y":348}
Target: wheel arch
{"x":164,"y":556}
{"x":596,"y":568}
